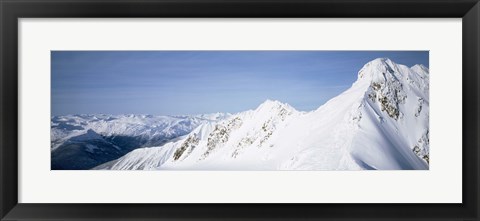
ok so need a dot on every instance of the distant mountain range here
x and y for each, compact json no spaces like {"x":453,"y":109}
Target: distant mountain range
{"x":86,"y":141}
{"x":381,"y":122}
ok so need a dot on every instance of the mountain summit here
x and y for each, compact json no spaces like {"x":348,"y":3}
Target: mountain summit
{"x":381,"y":122}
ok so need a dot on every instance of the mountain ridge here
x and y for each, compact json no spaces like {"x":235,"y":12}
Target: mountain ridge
{"x":380,"y":122}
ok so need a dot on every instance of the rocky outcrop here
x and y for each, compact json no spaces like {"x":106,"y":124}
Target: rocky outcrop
{"x":220,"y":134}
{"x":386,"y":89}
{"x":190,"y":143}
{"x":421,"y":149}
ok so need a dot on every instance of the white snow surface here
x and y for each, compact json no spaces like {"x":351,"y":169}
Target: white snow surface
{"x":381,"y":122}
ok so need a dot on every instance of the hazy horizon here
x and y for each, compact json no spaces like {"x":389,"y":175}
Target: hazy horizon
{"x":203,"y":82}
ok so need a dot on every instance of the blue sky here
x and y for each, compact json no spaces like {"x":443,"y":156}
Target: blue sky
{"x":193,"y":82}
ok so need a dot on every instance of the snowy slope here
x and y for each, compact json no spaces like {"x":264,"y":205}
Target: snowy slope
{"x":381,"y":122}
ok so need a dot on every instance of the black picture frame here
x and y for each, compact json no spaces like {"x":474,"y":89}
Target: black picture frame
{"x":12,"y":10}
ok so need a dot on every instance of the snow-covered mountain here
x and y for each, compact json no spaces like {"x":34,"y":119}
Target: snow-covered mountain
{"x":381,"y":122}
{"x":85,"y":141}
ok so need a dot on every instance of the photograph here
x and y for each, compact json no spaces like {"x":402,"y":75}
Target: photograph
{"x":239,"y":110}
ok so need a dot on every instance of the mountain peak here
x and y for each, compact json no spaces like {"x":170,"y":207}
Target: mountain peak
{"x":376,"y":67}
{"x":381,"y":61}
{"x":271,"y":102}
{"x":420,"y":68}
{"x":274,"y":104}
